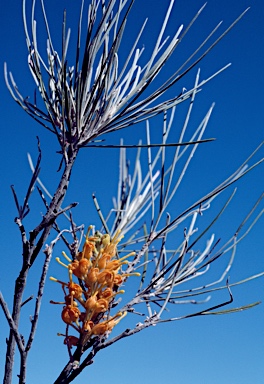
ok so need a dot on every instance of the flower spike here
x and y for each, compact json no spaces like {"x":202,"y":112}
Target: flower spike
{"x":100,"y":270}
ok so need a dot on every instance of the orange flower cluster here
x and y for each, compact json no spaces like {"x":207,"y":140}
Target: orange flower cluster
{"x":98,"y":268}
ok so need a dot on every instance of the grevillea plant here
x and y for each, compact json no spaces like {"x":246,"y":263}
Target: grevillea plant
{"x":98,"y":270}
{"x":144,"y":238}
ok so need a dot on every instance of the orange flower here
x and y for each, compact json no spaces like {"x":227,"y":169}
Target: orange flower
{"x":106,"y":294}
{"x":75,"y":290}
{"x":70,"y":314}
{"x":102,"y":262}
{"x":113,"y":265}
{"x":105,"y":277}
{"x":100,"y":329}
{"x":117,"y":280}
{"x":108,"y":325}
{"x":110,"y":249}
{"x":79,"y":268}
{"x":90,"y":304}
{"x":84,"y":265}
{"x":101,"y":306}
{"x":91,"y":276}
{"x":87,"y":326}
{"x":74,"y":267}
{"x":97,"y":306}
{"x":88,"y":249}
{"x":71,"y":341}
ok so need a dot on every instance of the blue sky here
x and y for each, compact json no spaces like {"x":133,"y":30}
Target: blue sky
{"x":213,"y":350}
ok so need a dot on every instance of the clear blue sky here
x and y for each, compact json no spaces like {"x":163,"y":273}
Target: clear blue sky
{"x":205,"y":350}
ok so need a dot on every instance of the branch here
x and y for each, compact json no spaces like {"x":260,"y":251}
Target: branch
{"x":34,"y":321}
{"x":12,"y":325}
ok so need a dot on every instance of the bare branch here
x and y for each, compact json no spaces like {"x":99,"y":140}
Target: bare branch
{"x":12,"y":324}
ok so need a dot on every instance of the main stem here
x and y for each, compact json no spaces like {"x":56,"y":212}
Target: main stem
{"x":30,"y":252}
